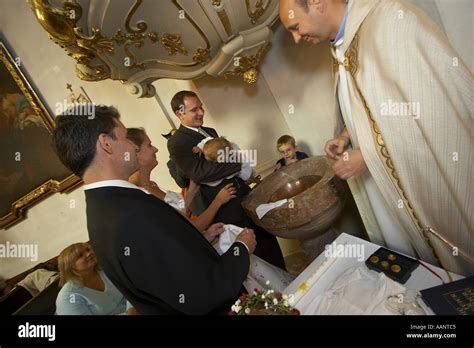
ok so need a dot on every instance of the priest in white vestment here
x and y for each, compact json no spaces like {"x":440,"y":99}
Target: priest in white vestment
{"x":406,"y":100}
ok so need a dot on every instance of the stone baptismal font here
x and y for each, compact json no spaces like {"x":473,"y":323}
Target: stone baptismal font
{"x":315,"y":199}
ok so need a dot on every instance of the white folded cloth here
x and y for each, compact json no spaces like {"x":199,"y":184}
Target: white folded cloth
{"x":38,"y":280}
{"x":227,"y":238}
{"x":175,"y":200}
{"x":262,"y":275}
{"x":263,"y":209}
{"x":359,"y":291}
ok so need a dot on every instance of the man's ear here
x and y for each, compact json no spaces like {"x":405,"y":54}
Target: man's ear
{"x":179,"y":114}
{"x":104,"y":143}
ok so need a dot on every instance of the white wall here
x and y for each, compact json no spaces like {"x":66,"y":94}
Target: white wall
{"x":247,"y":115}
{"x":300,"y":89}
{"x":456,"y":20}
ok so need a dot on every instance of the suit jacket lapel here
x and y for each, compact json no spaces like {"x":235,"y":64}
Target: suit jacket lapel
{"x":196,"y":135}
{"x":211,"y":131}
{"x":190,"y":132}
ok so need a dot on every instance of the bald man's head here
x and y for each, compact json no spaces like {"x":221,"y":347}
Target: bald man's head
{"x":312,"y":21}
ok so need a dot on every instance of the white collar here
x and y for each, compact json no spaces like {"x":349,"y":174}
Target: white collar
{"x":192,"y":128}
{"x":113,"y":183}
{"x":339,"y":42}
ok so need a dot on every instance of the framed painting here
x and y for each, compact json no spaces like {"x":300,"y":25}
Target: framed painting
{"x":29,"y":169}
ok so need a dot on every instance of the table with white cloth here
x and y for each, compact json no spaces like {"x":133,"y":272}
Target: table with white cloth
{"x":345,"y":285}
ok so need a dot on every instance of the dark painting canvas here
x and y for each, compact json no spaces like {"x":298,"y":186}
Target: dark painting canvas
{"x":29,"y":169}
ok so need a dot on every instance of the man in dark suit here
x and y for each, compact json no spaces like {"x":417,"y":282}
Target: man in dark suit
{"x":154,"y":256}
{"x":188,"y":108}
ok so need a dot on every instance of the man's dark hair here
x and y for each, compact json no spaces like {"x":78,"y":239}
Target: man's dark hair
{"x":178,"y":99}
{"x":76,"y":133}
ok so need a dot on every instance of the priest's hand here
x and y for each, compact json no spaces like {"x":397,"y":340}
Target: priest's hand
{"x":336,"y":146}
{"x":213,"y":232}
{"x":349,"y":164}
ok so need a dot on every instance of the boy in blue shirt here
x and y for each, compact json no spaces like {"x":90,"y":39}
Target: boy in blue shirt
{"x":288,"y":149}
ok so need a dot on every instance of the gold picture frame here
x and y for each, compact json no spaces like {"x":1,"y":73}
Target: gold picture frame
{"x":29,"y":169}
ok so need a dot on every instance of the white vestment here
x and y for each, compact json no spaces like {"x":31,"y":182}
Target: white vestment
{"x":390,"y":232}
{"x":407,"y":99}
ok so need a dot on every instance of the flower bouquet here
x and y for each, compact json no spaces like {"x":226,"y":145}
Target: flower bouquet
{"x":264,"y":303}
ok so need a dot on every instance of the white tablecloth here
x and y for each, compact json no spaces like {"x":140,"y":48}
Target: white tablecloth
{"x":420,"y":279}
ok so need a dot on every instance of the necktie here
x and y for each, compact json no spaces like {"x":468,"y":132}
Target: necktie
{"x":203,"y":132}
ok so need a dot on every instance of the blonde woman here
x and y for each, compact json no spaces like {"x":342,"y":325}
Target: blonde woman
{"x":147,"y":162}
{"x":85,"y":289}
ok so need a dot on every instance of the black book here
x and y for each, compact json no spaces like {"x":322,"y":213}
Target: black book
{"x":455,"y":298}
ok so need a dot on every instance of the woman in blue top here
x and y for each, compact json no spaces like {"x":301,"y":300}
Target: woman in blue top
{"x":86,"y":290}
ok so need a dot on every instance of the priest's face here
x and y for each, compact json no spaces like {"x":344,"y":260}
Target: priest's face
{"x":193,"y":115}
{"x":310,"y":23}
